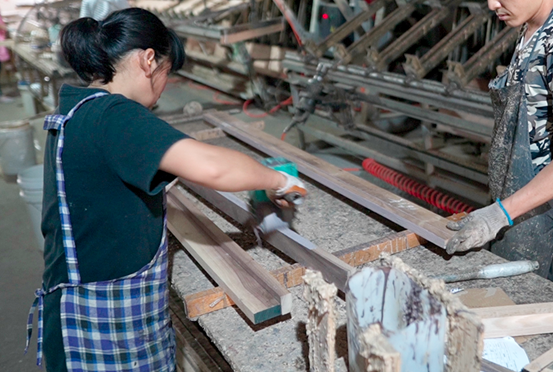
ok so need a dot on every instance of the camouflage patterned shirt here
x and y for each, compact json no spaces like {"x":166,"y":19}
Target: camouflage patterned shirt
{"x":539,"y":89}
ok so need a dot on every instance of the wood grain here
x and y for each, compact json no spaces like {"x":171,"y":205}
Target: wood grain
{"x":488,"y":366}
{"x":516,"y":320}
{"x":256,"y":292}
{"x":540,"y":363}
{"x":415,"y":218}
{"x":321,"y":321}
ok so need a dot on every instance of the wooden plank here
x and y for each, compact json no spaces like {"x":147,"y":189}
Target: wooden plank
{"x":488,"y":297}
{"x":540,"y":363}
{"x":321,"y":321}
{"x":252,"y":288}
{"x":287,"y":241}
{"x":516,"y":320}
{"x":488,"y":366}
{"x":415,"y":218}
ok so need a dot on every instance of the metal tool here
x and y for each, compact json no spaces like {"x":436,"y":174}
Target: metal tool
{"x":492,"y":271}
{"x":268,"y":217}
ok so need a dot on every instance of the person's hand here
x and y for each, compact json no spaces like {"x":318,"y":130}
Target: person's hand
{"x":291,"y":194}
{"x":476,"y":229}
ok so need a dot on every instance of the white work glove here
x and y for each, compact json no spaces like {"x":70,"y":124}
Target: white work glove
{"x":290,"y":194}
{"x":476,"y":229}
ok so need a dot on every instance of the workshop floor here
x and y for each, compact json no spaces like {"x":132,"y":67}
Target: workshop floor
{"x":21,"y":265}
{"x":21,"y":262}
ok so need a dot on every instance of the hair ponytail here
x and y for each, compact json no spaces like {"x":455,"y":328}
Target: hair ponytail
{"x":94,"y":48}
{"x":82,"y":49}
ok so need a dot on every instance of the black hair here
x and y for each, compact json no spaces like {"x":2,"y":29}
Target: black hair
{"x":92,"y":48}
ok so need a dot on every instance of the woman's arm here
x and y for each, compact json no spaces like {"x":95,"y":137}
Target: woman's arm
{"x":219,"y":168}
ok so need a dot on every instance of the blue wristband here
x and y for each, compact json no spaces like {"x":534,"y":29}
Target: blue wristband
{"x":504,"y":211}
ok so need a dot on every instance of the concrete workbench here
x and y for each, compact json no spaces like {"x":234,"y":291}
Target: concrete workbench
{"x":332,"y":223}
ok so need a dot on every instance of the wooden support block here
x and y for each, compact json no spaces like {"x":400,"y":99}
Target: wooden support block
{"x":321,"y":321}
{"x":411,"y":216}
{"x":194,"y":351}
{"x":517,"y":320}
{"x":376,"y":353}
{"x":393,"y":243}
{"x":540,"y":363}
{"x":256,"y":292}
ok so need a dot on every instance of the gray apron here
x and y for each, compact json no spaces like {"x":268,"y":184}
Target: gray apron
{"x":510,"y":168}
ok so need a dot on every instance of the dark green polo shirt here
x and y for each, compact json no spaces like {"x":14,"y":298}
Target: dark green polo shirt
{"x":113,"y":147}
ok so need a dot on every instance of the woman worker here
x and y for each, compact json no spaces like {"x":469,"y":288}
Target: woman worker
{"x":107,"y":160}
{"x":520,"y":172}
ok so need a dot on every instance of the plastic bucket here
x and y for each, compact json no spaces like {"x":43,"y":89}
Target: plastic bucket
{"x":30,"y":182}
{"x":27,"y":97}
{"x":17,"y":151}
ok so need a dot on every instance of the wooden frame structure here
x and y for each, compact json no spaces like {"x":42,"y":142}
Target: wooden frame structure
{"x":335,"y":267}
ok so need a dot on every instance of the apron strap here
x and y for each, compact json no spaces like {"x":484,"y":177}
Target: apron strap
{"x":39,"y":301}
{"x":58,"y":122}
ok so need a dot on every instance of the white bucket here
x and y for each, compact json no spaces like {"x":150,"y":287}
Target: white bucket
{"x":30,"y":182}
{"x":27,"y":97}
{"x":17,"y":151}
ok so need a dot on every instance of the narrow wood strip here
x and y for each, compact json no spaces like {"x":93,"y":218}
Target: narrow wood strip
{"x":411,"y":216}
{"x":488,"y":366}
{"x":251,"y":287}
{"x":514,"y":310}
{"x":518,"y":325}
{"x":516,"y":320}
{"x":540,"y":363}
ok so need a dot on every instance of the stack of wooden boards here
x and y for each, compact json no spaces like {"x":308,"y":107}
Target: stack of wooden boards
{"x":205,"y":242}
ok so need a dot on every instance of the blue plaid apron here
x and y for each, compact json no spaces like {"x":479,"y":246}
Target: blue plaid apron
{"x":114,"y":325}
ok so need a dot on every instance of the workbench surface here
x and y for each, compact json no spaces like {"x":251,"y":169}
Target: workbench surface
{"x":332,"y":223}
